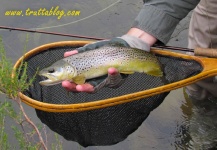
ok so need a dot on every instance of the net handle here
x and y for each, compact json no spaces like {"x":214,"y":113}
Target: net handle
{"x":208,"y":52}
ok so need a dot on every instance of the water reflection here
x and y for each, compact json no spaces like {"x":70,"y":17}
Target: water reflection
{"x":202,"y":127}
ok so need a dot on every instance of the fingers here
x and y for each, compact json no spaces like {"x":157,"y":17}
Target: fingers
{"x":69,"y":53}
{"x":113,"y":74}
{"x":112,"y":71}
{"x":88,"y":88}
{"x":114,"y":79}
{"x":70,"y":86}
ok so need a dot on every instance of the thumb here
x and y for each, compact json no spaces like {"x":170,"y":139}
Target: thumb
{"x":69,"y":53}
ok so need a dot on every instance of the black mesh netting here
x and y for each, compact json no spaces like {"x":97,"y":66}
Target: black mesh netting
{"x":109,"y":125}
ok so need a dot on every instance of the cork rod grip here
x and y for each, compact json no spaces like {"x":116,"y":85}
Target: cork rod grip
{"x":208,"y":52}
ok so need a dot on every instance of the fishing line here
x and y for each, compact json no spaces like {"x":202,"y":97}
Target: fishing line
{"x":54,"y":33}
{"x":81,"y":18}
{"x":61,"y":25}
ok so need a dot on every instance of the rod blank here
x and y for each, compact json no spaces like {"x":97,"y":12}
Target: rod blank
{"x":52,"y":33}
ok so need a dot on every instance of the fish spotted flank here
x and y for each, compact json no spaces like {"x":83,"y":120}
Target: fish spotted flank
{"x":95,"y":63}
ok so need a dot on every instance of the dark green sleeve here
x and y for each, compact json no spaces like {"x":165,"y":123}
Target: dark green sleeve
{"x":160,"y":17}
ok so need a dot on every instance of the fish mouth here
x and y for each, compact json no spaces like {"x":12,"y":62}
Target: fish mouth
{"x":48,"y":80}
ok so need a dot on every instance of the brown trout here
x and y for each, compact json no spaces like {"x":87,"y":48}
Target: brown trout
{"x":95,"y":63}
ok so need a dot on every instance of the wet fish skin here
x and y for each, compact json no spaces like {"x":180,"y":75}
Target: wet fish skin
{"x":95,"y":63}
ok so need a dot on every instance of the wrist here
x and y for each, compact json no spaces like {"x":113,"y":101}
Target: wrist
{"x":144,"y":36}
{"x":136,"y":42}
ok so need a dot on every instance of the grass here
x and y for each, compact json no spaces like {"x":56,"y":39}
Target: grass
{"x":29,"y":136}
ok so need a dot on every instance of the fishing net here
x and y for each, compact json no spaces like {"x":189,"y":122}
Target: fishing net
{"x":90,"y":120}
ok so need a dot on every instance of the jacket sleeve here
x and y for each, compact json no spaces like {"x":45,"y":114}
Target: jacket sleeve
{"x":160,"y":17}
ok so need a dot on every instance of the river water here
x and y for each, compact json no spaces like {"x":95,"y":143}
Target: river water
{"x":166,"y":127}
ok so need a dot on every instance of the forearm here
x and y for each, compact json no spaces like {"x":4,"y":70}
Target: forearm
{"x":158,"y":19}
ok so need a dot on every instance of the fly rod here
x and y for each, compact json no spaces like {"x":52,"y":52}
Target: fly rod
{"x":51,"y":33}
{"x":88,"y":37}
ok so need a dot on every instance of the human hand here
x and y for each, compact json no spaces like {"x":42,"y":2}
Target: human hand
{"x":114,"y":78}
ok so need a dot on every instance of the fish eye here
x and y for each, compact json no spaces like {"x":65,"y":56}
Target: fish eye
{"x":51,"y":70}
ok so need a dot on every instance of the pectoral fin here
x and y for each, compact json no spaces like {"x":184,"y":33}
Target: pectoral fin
{"x":79,"y":80}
